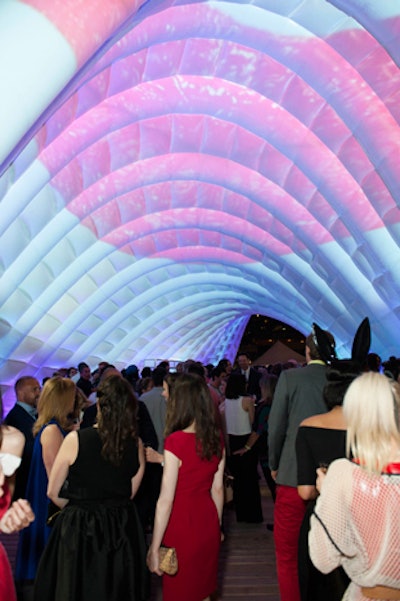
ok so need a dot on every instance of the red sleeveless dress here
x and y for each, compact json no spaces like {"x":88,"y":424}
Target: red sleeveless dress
{"x":7,"y":590}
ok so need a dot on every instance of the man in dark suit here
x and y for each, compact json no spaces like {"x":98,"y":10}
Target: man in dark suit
{"x":298,"y":395}
{"x":22,"y":416}
{"x":85,"y":379}
{"x":252,"y":376}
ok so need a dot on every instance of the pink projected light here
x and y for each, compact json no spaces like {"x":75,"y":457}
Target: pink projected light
{"x":190,"y":164}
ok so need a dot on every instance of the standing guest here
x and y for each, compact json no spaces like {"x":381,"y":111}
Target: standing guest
{"x":189,"y":509}
{"x":85,"y":379}
{"x":152,"y":456}
{"x":156,"y":406}
{"x":55,"y":406}
{"x":356,"y":521}
{"x":320,"y":440}
{"x":215,"y":385}
{"x":298,"y":395}
{"x":19,"y":514}
{"x":259,"y":433}
{"x":252,"y":376}
{"x":151,"y":484}
{"x":226,"y":365}
{"x":97,"y":548}
{"x":237,"y":416}
{"x":23,"y":416}
{"x":144,"y":385}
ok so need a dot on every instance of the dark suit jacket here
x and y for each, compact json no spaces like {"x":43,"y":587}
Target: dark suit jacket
{"x":23,"y":421}
{"x":253,"y":382}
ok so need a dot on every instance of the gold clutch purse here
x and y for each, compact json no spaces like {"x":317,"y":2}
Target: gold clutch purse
{"x":168,"y":560}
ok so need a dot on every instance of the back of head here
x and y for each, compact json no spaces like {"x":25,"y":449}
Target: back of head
{"x":342,"y":372}
{"x":339,"y":376}
{"x":320,"y":344}
{"x":21,"y":383}
{"x":56,"y":401}
{"x":267,"y":385}
{"x":190,"y":402}
{"x":225,"y":364}
{"x":373,"y":362}
{"x":371,"y":410}
{"x":235,"y":386}
{"x":158,"y":376}
{"x":117,"y":405}
{"x":196,"y":368}
{"x":217,"y":372}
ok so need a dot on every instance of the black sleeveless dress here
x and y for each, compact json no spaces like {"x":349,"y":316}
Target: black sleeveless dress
{"x":96,"y":551}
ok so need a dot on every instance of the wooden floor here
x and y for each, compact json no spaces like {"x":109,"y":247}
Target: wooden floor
{"x":247,"y":560}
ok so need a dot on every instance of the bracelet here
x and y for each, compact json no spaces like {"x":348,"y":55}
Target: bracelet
{"x":246,"y":446}
{"x":162,"y":463}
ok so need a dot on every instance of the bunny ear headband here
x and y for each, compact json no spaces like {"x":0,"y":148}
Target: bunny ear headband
{"x":359,"y":351}
{"x":361,"y":342}
{"x":326,"y":347}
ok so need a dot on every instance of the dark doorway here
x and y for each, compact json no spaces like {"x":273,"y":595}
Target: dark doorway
{"x":263,"y":332}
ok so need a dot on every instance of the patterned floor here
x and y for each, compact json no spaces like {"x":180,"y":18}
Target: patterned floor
{"x":247,"y":561}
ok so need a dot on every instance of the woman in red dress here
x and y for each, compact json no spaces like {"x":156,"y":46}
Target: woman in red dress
{"x":20,"y":514}
{"x":189,"y":509}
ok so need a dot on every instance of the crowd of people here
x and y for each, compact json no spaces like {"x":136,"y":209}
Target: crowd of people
{"x":100,"y":469}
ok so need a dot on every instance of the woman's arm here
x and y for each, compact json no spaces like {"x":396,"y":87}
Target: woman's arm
{"x":137,"y":478}
{"x":18,"y":516}
{"x":13,"y":442}
{"x":51,"y":440}
{"x":329,"y":526}
{"x":248,"y":405}
{"x":164,"y":507}
{"x":153,"y":456}
{"x":306,"y":467}
{"x":307,"y":492}
{"x":65,"y":458}
{"x":223,"y":426}
{"x":217,"y":488}
{"x":251,"y":441}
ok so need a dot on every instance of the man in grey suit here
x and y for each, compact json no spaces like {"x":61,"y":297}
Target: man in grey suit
{"x":298,"y":395}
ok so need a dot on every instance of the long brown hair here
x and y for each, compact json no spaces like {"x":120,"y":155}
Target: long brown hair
{"x":189,"y":402}
{"x":56,"y":401}
{"x":117,"y":422}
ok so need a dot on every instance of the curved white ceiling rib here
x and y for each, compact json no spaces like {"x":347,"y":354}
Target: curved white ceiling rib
{"x":199,"y":162}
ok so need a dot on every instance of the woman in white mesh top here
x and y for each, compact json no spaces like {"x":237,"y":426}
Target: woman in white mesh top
{"x":356,"y":521}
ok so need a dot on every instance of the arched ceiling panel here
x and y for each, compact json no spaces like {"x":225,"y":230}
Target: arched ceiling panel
{"x":190,"y":164}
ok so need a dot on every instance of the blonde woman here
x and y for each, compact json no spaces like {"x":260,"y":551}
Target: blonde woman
{"x":356,"y":521}
{"x":55,"y":412}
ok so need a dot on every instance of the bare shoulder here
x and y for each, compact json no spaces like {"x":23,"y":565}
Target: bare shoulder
{"x":50,"y":432}
{"x":248,"y":401}
{"x":314,"y":421}
{"x":13,"y":441}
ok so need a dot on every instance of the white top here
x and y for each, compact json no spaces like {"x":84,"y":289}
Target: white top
{"x":9,"y":463}
{"x":357,"y":525}
{"x":237,"y":419}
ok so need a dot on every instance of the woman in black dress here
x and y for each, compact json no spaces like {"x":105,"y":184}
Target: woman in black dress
{"x":97,"y":549}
